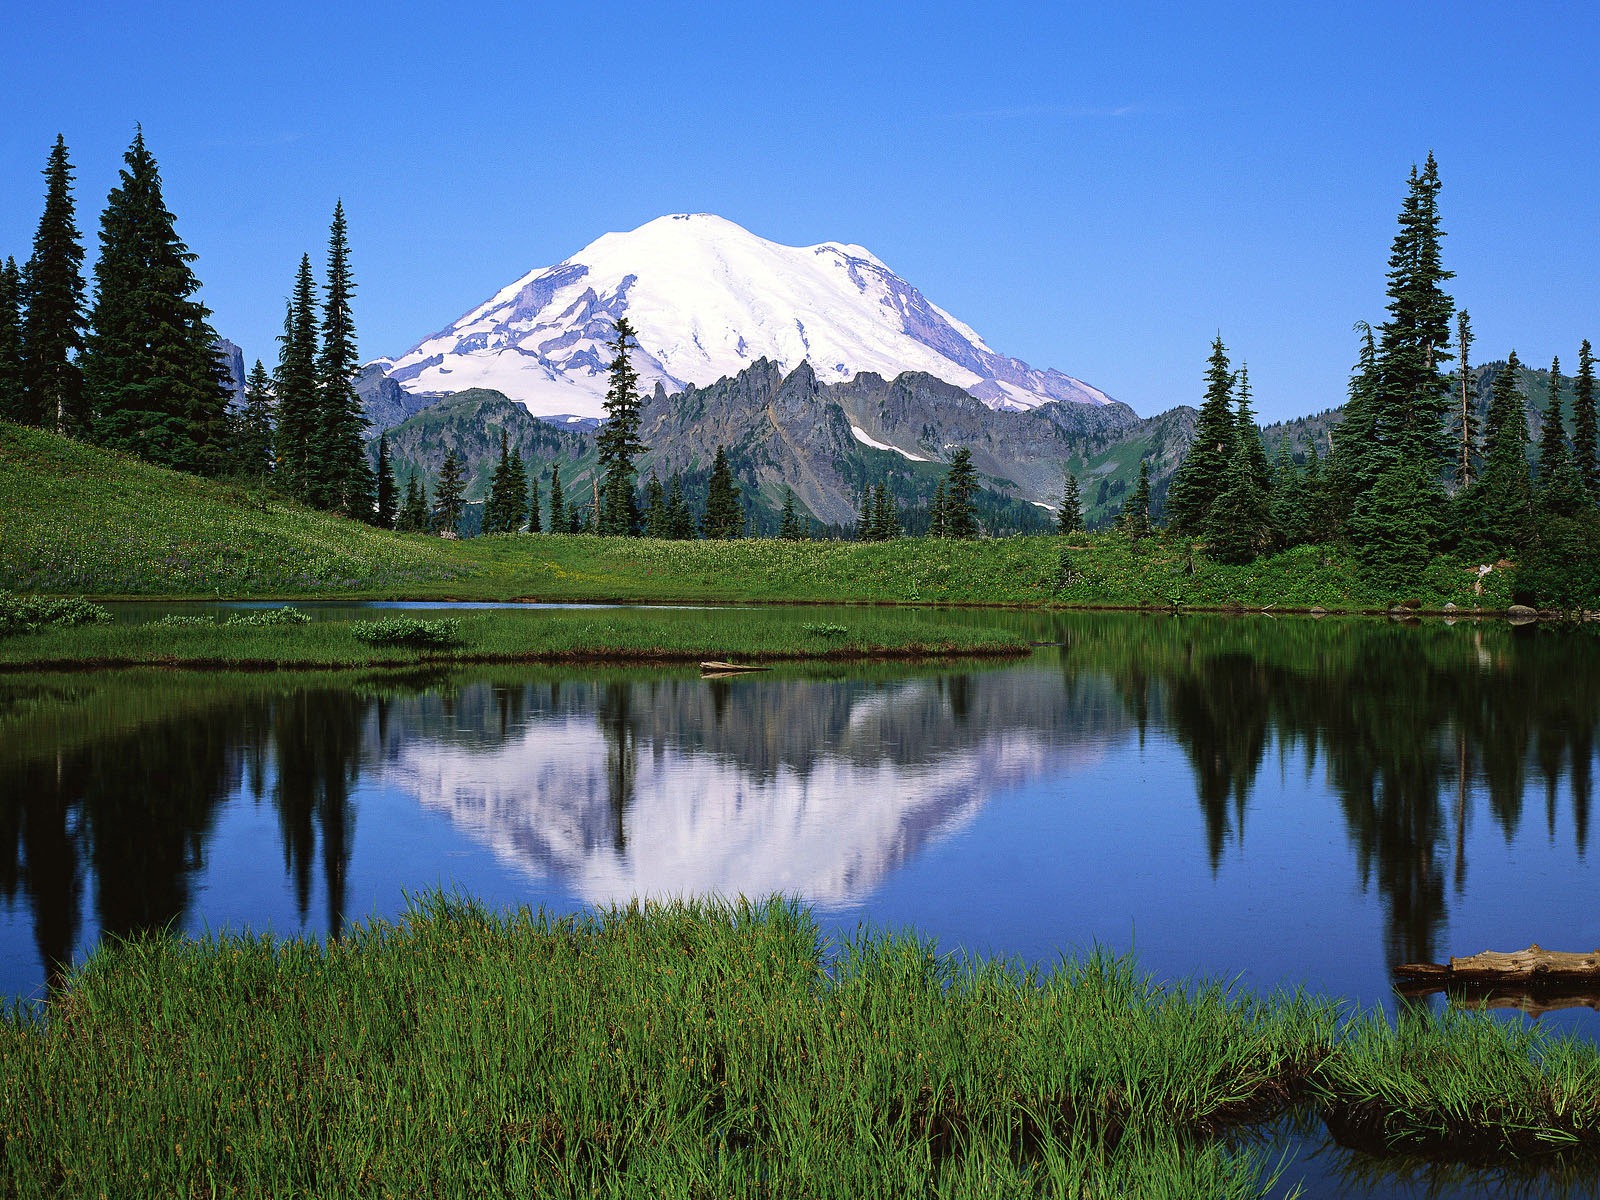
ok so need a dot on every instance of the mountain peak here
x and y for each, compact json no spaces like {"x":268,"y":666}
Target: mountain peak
{"x":708,"y":297}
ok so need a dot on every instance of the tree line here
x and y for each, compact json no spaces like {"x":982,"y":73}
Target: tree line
{"x":1411,"y":472}
{"x":134,"y":366}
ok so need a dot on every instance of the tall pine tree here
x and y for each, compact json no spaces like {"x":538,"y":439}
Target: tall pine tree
{"x":1199,"y":479}
{"x":1466,"y":414}
{"x":295,"y":386}
{"x":388,"y":505}
{"x":1412,"y":394}
{"x":11,"y":391}
{"x":52,"y":303}
{"x":345,"y":484}
{"x":1070,"y":518}
{"x":447,"y":495}
{"x":535,"y":515}
{"x":1585,"y":440}
{"x":252,"y":443}
{"x":1500,"y":512}
{"x":617,"y":440}
{"x":152,"y":380}
{"x":723,"y":516}
{"x":1560,"y":492}
{"x":961,"y":495}
{"x":558,"y":510}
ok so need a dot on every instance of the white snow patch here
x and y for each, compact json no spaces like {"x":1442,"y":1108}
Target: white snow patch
{"x":866,"y":439}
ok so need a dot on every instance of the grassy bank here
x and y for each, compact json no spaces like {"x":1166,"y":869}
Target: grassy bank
{"x":74,"y":519}
{"x":637,"y":636}
{"x":703,"y":1050}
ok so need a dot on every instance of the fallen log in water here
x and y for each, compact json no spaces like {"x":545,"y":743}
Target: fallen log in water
{"x":1535,"y":980}
{"x":725,"y":668}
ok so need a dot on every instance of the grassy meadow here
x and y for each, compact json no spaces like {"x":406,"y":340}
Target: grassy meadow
{"x":638,"y":636}
{"x":78,"y":520}
{"x":706,"y":1049}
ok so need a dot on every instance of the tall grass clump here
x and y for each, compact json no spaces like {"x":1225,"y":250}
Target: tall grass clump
{"x":693,"y":1049}
{"x":30,"y":614}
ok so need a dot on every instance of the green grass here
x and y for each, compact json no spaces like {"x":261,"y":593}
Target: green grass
{"x":74,"y":519}
{"x":551,"y":636}
{"x":703,"y":1049}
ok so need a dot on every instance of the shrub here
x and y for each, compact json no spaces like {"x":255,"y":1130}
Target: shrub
{"x":29,"y":614}
{"x":287,"y":615}
{"x":827,"y":629}
{"x":408,"y":631}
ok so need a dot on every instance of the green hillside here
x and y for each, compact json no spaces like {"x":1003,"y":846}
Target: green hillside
{"x":74,"y":518}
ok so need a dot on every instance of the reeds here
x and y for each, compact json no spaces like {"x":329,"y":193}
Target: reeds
{"x":695,"y":1049}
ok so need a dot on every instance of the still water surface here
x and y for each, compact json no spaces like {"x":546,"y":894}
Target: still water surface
{"x":1283,"y":802}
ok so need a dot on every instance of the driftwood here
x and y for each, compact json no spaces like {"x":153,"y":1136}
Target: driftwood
{"x":1535,"y":980}
{"x":725,"y":668}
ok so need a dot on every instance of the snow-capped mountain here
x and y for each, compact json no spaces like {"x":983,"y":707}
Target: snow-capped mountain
{"x":708,"y":298}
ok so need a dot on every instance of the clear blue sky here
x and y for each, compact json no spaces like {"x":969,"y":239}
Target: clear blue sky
{"x":1098,"y":188}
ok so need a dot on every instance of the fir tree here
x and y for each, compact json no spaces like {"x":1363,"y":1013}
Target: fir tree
{"x":413,"y":516}
{"x":574,"y":520}
{"x":723,"y":516}
{"x":535,"y":517}
{"x":864,"y":529}
{"x":12,"y":396}
{"x":252,"y":448}
{"x":680,"y":524}
{"x":447,"y":495}
{"x":1585,"y":442}
{"x":1500,"y":518}
{"x":387,"y":504}
{"x":655,"y":508}
{"x":1290,"y":502}
{"x":52,"y":306}
{"x":789,"y":526}
{"x":1412,"y":395}
{"x":1239,"y":525}
{"x":517,"y":491}
{"x":1466,"y":416}
{"x":150,"y":375}
{"x":1135,"y":520}
{"x":1358,"y":457}
{"x":618,"y":441}
{"x":1199,"y":479}
{"x":295,"y":386}
{"x":496,"y":508}
{"x":1397,"y":523}
{"x":1070,"y":518}
{"x":1561,"y":491}
{"x":1248,"y":435}
{"x":936,"y":511}
{"x":960,"y":495}
{"x":345,"y":482}
{"x":558,"y":510}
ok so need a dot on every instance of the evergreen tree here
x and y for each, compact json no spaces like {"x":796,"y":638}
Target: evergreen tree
{"x":1248,"y":435}
{"x":516,"y":498}
{"x":574,"y":521}
{"x":1356,"y":458}
{"x":864,"y":527}
{"x":655,"y":508}
{"x":558,"y":509}
{"x":618,"y":441}
{"x":1070,"y":518}
{"x":535,"y":517}
{"x":413,"y":516}
{"x":680,"y":523}
{"x":295,"y":386}
{"x":12,"y":395}
{"x":1585,"y":442}
{"x":1499,"y":513}
{"x":1239,"y":525}
{"x":1397,"y":522}
{"x":1135,"y":520}
{"x":447,"y":495}
{"x":1466,"y":416}
{"x":960,"y":495}
{"x":1412,"y":395}
{"x":723,"y":516}
{"x":936,"y":511}
{"x":1290,"y":501}
{"x":52,"y":307}
{"x":150,"y":375}
{"x":497,"y":507}
{"x":789,"y":526}
{"x":252,"y":448}
{"x":387,"y":506}
{"x":344,"y":480}
{"x":1199,"y":479}
{"x":885,"y":515}
{"x":1561,"y":491}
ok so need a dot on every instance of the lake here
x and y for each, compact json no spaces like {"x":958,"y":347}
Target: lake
{"x":1282,"y":802}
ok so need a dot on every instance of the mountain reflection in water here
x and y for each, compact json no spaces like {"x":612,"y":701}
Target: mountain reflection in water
{"x":141,"y":800}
